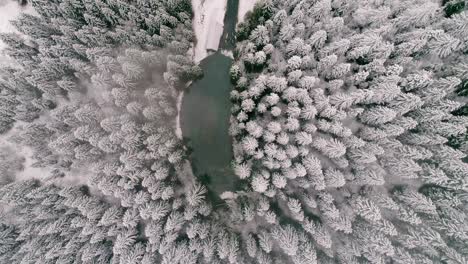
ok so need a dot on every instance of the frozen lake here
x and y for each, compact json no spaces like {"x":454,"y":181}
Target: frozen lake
{"x":205,"y":113}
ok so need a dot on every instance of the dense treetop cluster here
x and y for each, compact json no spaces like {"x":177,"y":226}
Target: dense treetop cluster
{"x":349,"y":130}
{"x":348,"y":116}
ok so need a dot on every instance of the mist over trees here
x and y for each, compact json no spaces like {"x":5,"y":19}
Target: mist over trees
{"x":349,"y":132}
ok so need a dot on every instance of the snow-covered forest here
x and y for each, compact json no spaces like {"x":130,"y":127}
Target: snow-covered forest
{"x":349,"y":127}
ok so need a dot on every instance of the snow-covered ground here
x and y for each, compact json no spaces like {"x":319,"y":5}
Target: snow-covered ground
{"x":208,"y":16}
{"x":29,"y":171}
{"x":244,"y":7}
{"x":9,"y":10}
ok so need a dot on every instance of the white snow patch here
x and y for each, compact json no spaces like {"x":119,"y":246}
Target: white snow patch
{"x":244,"y":7}
{"x":29,"y":171}
{"x":228,"y":195}
{"x":228,"y":53}
{"x":208,"y":23}
{"x":10,"y":10}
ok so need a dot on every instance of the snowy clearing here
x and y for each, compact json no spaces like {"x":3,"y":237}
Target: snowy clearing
{"x":244,"y":7}
{"x":208,"y":24}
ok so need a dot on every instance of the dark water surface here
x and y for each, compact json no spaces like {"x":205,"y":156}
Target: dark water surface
{"x":205,"y":113}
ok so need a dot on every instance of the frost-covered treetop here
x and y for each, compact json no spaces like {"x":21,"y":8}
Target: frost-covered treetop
{"x":360,"y":124}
